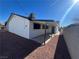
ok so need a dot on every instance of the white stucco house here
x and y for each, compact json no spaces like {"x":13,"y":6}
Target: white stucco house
{"x":30,"y":27}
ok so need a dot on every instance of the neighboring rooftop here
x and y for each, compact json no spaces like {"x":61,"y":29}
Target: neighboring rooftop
{"x":75,"y":24}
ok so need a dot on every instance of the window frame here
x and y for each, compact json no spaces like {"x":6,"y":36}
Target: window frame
{"x":37,"y":25}
{"x":43,"y":26}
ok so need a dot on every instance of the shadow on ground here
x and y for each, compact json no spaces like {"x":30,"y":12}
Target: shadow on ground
{"x":15,"y":47}
{"x":41,"y":38}
{"x":62,"y":50}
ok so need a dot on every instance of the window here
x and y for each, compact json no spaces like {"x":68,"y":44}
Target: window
{"x":44,"y":26}
{"x":36,"y":26}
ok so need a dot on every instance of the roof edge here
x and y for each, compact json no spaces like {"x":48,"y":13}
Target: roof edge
{"x":26,"y":18}
{"x":16,"y":15}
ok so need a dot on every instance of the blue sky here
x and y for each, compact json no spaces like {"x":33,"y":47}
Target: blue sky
{"x":43,"y":9}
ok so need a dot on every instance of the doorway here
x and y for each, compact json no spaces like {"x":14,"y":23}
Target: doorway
{"x":53,"y":30}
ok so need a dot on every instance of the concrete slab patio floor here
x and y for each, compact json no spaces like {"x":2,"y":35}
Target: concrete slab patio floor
{"x":40,"y":38}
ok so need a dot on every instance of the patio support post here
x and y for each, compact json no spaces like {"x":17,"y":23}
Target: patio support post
{"x":45,"y":35}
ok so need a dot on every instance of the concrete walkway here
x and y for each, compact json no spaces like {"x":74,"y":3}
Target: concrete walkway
{"x":56,"y":48}
{"x":44,"y":52}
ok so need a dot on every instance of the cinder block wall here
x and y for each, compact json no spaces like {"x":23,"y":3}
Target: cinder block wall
{"x":71,"y":35}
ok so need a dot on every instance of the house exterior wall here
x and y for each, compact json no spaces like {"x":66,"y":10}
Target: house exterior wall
{"x":71,"y":35}
{"x":37,"y":32}
{"x":56,"y":29}
{"x":19,"y":26}
{"x":24,"y":27}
